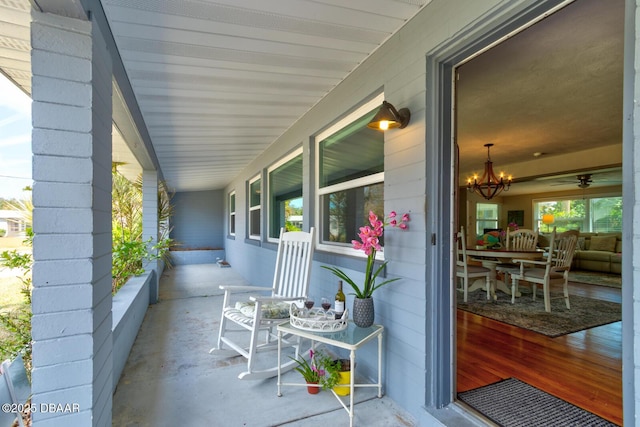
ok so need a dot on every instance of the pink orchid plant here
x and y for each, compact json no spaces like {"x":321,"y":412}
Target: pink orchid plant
{"x":370,"y":243}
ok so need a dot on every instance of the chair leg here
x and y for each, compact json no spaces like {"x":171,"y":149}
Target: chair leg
{"x":514,"y":286}
{"x":488,"y":286}
{"x":566,"y":295}
{"x":255,"y":332}
{"x":465,"y":288}
{"x":547,"y":297}
{"x":223,"y":320}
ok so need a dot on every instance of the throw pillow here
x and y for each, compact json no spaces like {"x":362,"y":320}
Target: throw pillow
{"x":603,"y":243}
{"x":543,"y":241}
{"x":272,"y":310}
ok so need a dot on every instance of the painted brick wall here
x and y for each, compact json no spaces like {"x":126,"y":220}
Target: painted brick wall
{"x":150,"y":227}
{"x":72,"y":209}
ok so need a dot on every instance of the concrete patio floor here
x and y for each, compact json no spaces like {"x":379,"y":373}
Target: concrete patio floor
{"x":170,"y":378}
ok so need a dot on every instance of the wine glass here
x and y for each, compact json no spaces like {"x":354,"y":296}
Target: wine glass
{"x":326,"y":305}
{"x":308,"y":303}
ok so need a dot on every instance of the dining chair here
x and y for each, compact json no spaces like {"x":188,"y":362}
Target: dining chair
{"x":518,"y":240}
{"x":466,"y":271}
{"x":254,"y":315}
{"x":552,"y":271}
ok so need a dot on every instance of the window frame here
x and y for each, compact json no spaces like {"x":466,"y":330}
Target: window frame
{"x":587,"y":220}
{"x":284,"y":160}
{"x":251,"y":208}
{"x":232,"y":213}
{"x":478,"y":220}
{"x":376,"y":178}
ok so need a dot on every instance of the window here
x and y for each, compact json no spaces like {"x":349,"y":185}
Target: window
{"x":254,"y":207}
{"x":285,"y":195}
{"x":350,"y":177}
{"x":232,"y":213}
{"x":486,"y":217}
{"x":589,"y":214}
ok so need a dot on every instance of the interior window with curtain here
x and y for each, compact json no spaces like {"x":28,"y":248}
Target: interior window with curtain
{"x":285,"y":195}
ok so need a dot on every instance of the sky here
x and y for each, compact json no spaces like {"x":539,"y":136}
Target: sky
{"x":15,"y":140}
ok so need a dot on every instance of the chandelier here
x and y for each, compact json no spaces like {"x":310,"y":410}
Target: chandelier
{"x":489,"y":185}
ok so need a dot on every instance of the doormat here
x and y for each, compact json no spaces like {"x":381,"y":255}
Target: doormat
{"x":594,"y":278}
{"x":585,"y":313}
{"x":513,"y":403}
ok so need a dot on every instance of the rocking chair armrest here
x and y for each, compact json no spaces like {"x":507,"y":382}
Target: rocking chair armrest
{"x":244,"y":288}
{"x":264,"y":299}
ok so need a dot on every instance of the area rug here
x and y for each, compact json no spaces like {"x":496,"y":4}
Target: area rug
{"x":585,"y":313}
{"x":595,"y":278}
{"x":513,"y":403}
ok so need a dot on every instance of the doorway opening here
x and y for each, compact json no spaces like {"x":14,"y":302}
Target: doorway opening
{"x":549,"y":97}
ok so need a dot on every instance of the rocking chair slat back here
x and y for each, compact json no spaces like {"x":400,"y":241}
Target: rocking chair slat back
{"x":295,"y":253}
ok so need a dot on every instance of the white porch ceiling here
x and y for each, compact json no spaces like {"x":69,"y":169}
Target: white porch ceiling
{"x":218,"y":81}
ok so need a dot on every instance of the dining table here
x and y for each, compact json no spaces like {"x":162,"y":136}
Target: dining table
{"x":492,"y":257}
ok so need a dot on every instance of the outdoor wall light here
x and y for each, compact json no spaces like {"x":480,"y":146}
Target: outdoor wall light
{"x":388,"y":117}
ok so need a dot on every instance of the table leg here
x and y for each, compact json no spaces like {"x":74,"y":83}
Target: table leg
{"x":380,"y":366}
{"x":279,"y":356}
{"x":495,"y":283}
{"x":352,"y":366}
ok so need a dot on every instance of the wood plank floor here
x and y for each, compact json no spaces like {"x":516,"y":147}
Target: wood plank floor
{"x":584,"y":368}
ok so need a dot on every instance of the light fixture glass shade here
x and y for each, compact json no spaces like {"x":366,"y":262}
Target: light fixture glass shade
{"x":548,"y":219}
{"x":489,"y":185}
{"x":388,"y":117}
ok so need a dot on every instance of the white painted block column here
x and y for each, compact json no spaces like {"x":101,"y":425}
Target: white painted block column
{"x":150,"y":227}
{"x":71,"y":325}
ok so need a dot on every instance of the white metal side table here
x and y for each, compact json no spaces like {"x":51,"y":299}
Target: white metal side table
{"x":352,"y":338}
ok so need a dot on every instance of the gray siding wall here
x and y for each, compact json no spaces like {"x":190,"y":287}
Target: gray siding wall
{"x":198,"y":221}
{"x":399,"y":68}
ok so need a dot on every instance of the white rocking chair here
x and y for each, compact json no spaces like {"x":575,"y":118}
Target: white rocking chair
{"x":258,"y":314}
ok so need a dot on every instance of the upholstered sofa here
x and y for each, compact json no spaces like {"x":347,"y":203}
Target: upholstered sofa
{"x":596,"y":252}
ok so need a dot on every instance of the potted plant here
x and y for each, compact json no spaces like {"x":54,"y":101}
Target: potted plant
{"x":309,"y":372}
{"x":363,"y":310}
{"x":342,"y":369}
{"x":320,"y":372}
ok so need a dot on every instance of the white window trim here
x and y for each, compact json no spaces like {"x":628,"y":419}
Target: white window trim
{"x":342,"y":248}
{"x":233,"y":194}
{"x":253,"y":208}
{"x":534,"y":202}
{"x":297,"y":152}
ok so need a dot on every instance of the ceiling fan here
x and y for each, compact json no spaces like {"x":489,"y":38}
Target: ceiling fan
{"x":585,"y":180}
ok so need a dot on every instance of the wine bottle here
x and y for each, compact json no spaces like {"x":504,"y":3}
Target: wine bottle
{"x":340,"y":300}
